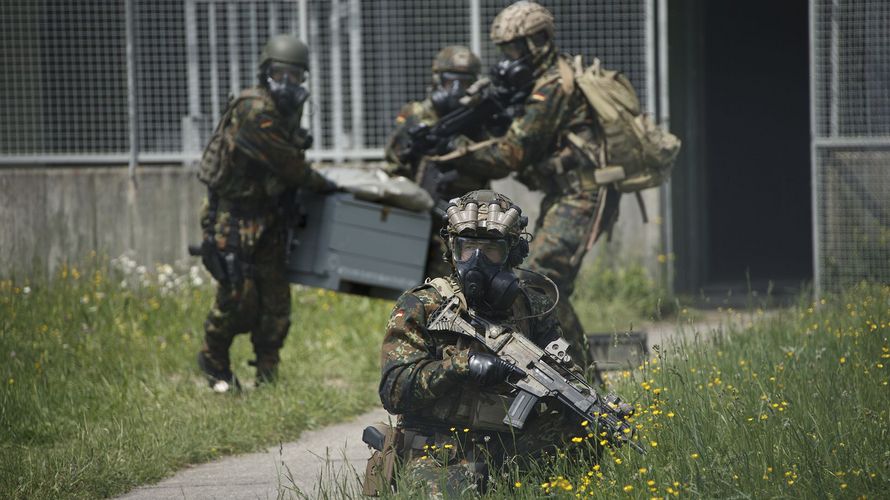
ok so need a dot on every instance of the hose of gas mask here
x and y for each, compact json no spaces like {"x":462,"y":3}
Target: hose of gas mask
{"x":555,"y":302}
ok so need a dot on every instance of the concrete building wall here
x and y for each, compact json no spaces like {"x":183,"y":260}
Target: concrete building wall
{"x":53,"y":215}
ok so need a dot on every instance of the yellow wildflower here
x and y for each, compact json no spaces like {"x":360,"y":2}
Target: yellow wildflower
{"x":628,"y":488}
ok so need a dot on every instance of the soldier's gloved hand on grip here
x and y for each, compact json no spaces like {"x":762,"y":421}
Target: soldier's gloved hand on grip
{"x":487,"y":369}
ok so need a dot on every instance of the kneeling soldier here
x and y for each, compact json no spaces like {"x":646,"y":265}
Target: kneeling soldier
{"x":450,"y":392}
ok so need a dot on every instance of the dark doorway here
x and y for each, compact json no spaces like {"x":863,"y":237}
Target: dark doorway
{"x":742,"y":206}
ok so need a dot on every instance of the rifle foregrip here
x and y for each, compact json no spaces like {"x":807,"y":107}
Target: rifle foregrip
{"x":520,"y":409}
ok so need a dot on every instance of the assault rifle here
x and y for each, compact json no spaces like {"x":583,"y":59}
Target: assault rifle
{"x":490,"y":102}
{"x":541,"y":373}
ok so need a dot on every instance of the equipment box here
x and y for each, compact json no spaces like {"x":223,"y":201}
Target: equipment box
{"x":621,"y":351}
{"x":355,"y":246}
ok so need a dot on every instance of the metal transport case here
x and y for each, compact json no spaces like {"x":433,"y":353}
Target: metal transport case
{"x":622,"y":351}
{"x":354,"y":246}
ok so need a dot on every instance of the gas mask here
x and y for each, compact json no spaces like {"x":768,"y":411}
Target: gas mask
{"x":481,"y":264}
{"x":512,"y":74}
{"x":284,"y":83}
{"x":450,"y":87}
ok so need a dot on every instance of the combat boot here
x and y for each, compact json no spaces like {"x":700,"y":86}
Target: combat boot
{"x":266,"y":368}
{"x":219,"y":377}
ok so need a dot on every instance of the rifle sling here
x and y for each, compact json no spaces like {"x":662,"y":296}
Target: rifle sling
{"x":463,"y":151}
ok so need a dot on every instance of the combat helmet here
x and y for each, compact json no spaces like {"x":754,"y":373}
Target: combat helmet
{"x":485,"y":214}
{"x":286,"y":49}
{"x":456,"y":59}
{"x":521,"y":20}
{"x":527,"y":27}
{"x":484,"y":234}
{"x":455,"y":68}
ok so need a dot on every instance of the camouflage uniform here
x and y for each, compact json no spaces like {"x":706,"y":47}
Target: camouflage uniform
{"x":453,"y":58}
{"x":453,"y":430}
{"x":267,"y":159}
{"x":536,"y":147}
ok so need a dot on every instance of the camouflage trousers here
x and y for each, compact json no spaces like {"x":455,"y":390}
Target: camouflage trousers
{"x":261,"y":306}
{"x":456,"y":463}
{"x":561,"y":230}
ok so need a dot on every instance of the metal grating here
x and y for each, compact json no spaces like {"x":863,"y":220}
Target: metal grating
{"x":65,"y":85}
{"x":850,"y":47}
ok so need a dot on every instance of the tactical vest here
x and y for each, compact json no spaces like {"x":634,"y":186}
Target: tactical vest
{"x":478,"y":408}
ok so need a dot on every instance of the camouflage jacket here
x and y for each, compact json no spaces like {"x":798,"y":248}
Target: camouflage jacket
{"x":536,"y":145}
{"x":424,"y":374}
{"x":261,"y":154}
{"x":418,"y":112}
{"x":268,"y":154}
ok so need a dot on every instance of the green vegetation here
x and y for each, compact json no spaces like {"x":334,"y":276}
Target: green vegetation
{"x":611,"y":299}
{"x":100,"y":391}
{"x":796,"y":405}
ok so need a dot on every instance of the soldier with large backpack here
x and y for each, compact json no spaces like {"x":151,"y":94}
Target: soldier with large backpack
{"x":255,"y":156}
{"x":581,"y":139}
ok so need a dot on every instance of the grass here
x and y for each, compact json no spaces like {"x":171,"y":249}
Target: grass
{"x":796,"y":405}
{"x":100,"y":391}
{"x":609,"y":299}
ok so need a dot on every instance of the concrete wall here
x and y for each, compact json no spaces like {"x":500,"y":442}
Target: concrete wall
{"x":50,"y":215}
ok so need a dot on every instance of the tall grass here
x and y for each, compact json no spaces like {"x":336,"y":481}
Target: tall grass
{"x":797,"y":405}
{"x":100,"y":391}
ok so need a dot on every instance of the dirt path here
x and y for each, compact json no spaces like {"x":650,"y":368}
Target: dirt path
{"x":335,"y":456}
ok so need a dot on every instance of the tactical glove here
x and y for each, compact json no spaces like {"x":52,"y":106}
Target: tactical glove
{"x":487,"y":369}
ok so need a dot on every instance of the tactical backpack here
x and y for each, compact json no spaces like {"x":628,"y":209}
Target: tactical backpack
{"x":213,"y":170}
{"x":638,"y":153}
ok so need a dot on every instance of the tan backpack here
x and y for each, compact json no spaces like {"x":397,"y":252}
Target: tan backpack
{"x":638,"y":154}
{"x":213,"y":169}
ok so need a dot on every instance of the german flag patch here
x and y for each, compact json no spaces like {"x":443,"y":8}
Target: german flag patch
{"x":265,"y":123}
{"x":537,"y":96}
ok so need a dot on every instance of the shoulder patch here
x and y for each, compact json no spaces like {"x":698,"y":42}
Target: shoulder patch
{"x":538,"y":96}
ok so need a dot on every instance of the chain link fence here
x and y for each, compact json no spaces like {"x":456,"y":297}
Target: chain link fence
{"x":71,"y":94}
{"x":850,"y":47}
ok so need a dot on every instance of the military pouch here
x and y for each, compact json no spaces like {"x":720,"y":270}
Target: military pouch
{"x":380,"y":470}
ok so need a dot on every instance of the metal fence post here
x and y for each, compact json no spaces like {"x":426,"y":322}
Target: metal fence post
{"x":815,"y":201}
{"x":664,"y":117}
{"x":336,"y":82}
{"x":356,"y":86}
{"x":214,"y":62}
{"x":133,"y":122}
{"x":234,"y":63}
{"x":475,"y":28}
